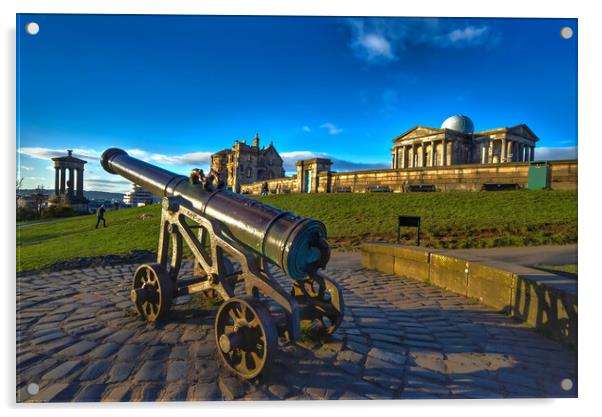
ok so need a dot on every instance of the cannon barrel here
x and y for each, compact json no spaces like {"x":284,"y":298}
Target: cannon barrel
{"x":294,"y":243}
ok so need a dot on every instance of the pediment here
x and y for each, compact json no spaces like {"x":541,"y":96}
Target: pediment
{"x":524,"y":131}
{"x":418,"y":132}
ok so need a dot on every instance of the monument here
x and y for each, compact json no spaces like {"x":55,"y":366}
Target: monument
{"x":69,"y":183}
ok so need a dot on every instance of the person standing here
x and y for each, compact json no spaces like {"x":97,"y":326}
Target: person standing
{"x":196,"y":176}
{"x":100,"y":215}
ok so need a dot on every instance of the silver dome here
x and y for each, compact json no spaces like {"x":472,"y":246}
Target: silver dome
{"x":459,"y":123}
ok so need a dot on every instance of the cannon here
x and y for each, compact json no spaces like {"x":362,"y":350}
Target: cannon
{"x":222,"y":229}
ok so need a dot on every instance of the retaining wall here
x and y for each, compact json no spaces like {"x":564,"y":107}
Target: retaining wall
{"x":469,"y":177}
{"x":544,"y":300}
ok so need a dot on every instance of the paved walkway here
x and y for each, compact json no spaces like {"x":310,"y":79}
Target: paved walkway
{"x":78,"y":340}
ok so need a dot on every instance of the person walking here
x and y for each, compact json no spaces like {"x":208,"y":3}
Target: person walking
{"x":100,"y":215}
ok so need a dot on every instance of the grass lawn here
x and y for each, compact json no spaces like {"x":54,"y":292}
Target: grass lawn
{"x":449,"y":220}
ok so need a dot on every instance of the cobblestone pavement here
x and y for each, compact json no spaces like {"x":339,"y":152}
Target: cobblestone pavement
{"x":78,"y":339}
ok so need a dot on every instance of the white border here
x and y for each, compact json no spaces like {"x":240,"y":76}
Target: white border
{"x":590,"y":70}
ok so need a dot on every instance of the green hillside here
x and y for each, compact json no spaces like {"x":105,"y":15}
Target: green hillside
{"x":450,"y":220}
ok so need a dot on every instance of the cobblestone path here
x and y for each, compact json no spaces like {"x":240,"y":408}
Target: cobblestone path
{"x":78,"y":339}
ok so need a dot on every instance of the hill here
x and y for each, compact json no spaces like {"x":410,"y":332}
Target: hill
{"x":449,"y":220}
{"x":90,"y":195}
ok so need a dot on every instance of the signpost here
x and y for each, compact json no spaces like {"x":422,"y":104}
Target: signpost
{"x":409,"y":221}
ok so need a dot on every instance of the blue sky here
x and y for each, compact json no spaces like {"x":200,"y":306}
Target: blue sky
{"x":174,"y":89}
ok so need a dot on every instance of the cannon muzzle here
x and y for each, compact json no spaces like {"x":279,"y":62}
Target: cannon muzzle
{"x":296,"y":244}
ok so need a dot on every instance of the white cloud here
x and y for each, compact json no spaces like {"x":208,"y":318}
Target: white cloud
{"x":46,"y":153}
{"x":290,"y":160}
{"x":332,"y":129}
{"x":376,"y":46}
{"x":194,"y":158}
{"x":24,"y":168}
{"x":382,"y":40}
{"x":306,"y":129}
{"x":467,"y":34}
{"x":551,"y":153}
{"x":87,"y":154}
{"x":372,"y":44}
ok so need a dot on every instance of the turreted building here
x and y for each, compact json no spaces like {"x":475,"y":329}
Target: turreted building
{"x":244,"y":164}
{"x":456,"y":142}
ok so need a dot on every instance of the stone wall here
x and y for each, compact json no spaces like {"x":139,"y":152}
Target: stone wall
{"x":275,"y":186}
{"x":470,"y":177}
{"x":544,"y":300}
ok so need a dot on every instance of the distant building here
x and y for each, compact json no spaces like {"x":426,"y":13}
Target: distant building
{"x":244,"y":164}
{"x":137,"y":196}
{"x":456,"y":143}
{"x":36,"y":201}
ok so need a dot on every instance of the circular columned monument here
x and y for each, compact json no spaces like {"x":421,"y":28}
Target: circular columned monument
{"x":69,"y":183}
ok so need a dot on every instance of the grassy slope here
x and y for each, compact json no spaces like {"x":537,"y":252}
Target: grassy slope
{"x":455,"y":220}
{"x":449,"y":220}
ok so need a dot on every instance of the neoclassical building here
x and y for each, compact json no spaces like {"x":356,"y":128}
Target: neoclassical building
{"x":456,"y":142}
{"x":244,"y":164}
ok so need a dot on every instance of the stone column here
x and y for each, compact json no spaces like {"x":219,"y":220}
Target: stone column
{"x":509,"y":151}
{"x":71,"y":180}
{"x":521,"y":152}
{"x":504,"y":150}
{"x":63,"y":172}
{"x":532,"y":153}
{"x":56,"y":181}
{"x":80,"y":182}
{"x":527,"y":153}
{"x":433,"y":153}
{"x":403,"y":156}
{"x":484,"y":152}
{"x":423,"y":155}
{"x":444,"y":153}
{"x":490,"y":151}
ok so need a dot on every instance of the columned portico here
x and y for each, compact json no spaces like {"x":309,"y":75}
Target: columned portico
{"x":456,"y":143}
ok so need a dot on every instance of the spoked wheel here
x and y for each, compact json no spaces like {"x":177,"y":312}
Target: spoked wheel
{"x":246,"y":336}
{"x":152,"y":291}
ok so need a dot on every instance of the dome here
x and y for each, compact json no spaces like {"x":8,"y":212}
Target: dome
{"x":459,"y":123}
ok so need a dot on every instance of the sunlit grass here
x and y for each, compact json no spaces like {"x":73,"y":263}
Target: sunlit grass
{"x":449,"y":220}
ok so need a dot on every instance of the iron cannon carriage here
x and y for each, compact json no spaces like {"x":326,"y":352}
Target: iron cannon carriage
{"x":219,"y":227}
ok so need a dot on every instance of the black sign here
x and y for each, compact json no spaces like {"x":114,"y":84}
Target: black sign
{"x":409,"y":221}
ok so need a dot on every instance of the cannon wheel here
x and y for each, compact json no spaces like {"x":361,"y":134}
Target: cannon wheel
{"x":152,"y":291}
{"x":246,"y":336}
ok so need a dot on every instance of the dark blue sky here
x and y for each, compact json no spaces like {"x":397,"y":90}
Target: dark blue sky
{"x":174,"y":89}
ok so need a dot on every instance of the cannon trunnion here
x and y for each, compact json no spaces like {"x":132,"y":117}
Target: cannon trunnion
{"x":219,"y":227}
